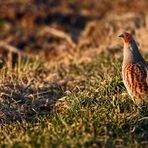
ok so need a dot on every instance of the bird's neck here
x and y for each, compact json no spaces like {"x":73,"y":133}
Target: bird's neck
{"x":131,"y":54}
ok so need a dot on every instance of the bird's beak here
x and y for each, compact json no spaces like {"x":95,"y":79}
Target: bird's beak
{"x":121,"y":36}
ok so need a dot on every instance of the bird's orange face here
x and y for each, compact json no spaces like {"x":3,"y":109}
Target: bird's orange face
{"x":126,"y":37}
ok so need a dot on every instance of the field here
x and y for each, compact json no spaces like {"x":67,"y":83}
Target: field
{"x":60,"y":76}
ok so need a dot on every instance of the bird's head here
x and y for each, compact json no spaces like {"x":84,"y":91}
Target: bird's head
{"x":127,"y":37}
{"x":130,"y":50}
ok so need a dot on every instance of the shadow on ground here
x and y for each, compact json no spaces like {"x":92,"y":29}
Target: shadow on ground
{"x":24,"y":102}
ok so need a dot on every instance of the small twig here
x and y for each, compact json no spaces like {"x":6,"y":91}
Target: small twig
{"x":144,"y":118}
{"x":9,"y":47}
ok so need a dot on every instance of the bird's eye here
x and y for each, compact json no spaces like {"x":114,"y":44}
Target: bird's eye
{"x":128,"y":36}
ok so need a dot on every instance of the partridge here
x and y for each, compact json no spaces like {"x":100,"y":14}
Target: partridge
{"x":134,"y":70}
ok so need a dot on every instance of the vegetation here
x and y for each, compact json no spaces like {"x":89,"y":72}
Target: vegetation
{"x":60,"y":74}
{"x":95,"y":112}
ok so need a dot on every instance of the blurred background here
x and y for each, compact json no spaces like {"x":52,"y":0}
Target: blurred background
{"x":66,"y":30}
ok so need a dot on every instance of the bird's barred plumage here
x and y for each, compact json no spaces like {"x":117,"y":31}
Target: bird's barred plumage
{"x":134,"y":77}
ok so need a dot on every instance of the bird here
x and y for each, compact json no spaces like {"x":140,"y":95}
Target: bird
{"x":134,"y":70}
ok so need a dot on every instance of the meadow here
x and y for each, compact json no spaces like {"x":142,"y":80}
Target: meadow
{"x":93,"y":110}
{"x":64,"y":87}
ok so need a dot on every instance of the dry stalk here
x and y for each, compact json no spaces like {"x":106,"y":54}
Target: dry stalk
{"x":59,"y":34}
{"x":11,"y":49}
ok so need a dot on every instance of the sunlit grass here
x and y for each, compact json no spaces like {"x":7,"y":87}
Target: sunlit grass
{"x":99,"y":113}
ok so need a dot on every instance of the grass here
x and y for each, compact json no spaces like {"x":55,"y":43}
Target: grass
{"x":93,"y":109}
